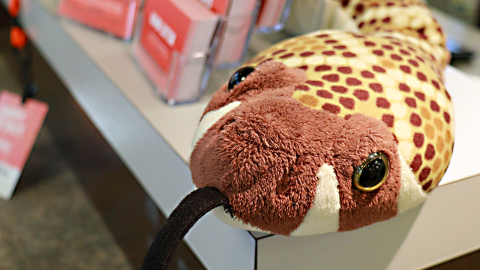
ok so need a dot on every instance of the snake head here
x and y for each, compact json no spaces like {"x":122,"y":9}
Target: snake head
{"x":293,"y":170}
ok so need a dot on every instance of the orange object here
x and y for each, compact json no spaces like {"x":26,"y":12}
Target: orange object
{"x":13,"y":8}
{"x":18,"y":38}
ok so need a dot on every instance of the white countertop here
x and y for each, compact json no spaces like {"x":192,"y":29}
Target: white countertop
{"x":152,"y":138}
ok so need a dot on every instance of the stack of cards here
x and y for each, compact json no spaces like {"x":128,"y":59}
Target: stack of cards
{"x":116,"y":17}
{"x":173,"y":46}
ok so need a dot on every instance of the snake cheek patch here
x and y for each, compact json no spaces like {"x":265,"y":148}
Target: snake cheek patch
{"x":269,"y":174}
{"x":366,"y":147}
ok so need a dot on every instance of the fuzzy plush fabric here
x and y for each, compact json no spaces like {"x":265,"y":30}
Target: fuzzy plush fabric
{"x":283,"y":144}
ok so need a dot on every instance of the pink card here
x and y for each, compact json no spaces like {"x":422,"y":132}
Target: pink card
{"x":165,"y":30}
{"x":19,"y":127}
{"x":220,"y":7}
{"x":116,"y":17}
{"x":173,"y":45}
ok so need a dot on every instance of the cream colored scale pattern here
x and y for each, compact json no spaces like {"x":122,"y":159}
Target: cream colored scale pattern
{"x":413,"y":18}
{"x":390,"y":78}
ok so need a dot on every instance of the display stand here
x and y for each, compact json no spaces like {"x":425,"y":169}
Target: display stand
{"x":170,"y":87}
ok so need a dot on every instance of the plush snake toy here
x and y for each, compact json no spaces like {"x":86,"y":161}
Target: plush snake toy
{"x":330,"y":131}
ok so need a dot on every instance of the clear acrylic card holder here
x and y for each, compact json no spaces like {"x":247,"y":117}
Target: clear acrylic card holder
{"x":184,"y":82}
{"x":232,"y":38}
{"x":187,"y":76}
{"x":273,"y":15}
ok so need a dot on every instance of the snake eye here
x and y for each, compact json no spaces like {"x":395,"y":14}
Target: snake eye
{"x":372,"y":173}
{"x":239,"y":76}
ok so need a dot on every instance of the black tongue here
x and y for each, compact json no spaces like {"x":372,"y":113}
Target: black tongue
{"x":187,"y":213}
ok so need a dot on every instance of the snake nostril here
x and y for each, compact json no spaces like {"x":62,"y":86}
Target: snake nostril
{"x":228,"y":123}
{"x":283,"y":183}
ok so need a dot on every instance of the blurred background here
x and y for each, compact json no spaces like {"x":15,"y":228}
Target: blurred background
{"x":465,"y":10}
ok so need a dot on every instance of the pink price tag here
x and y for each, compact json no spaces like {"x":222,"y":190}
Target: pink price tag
{"x":19,"y":127}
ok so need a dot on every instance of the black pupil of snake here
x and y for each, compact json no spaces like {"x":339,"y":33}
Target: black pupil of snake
{"x":373,"y":173}
{"x":239,"y":76}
